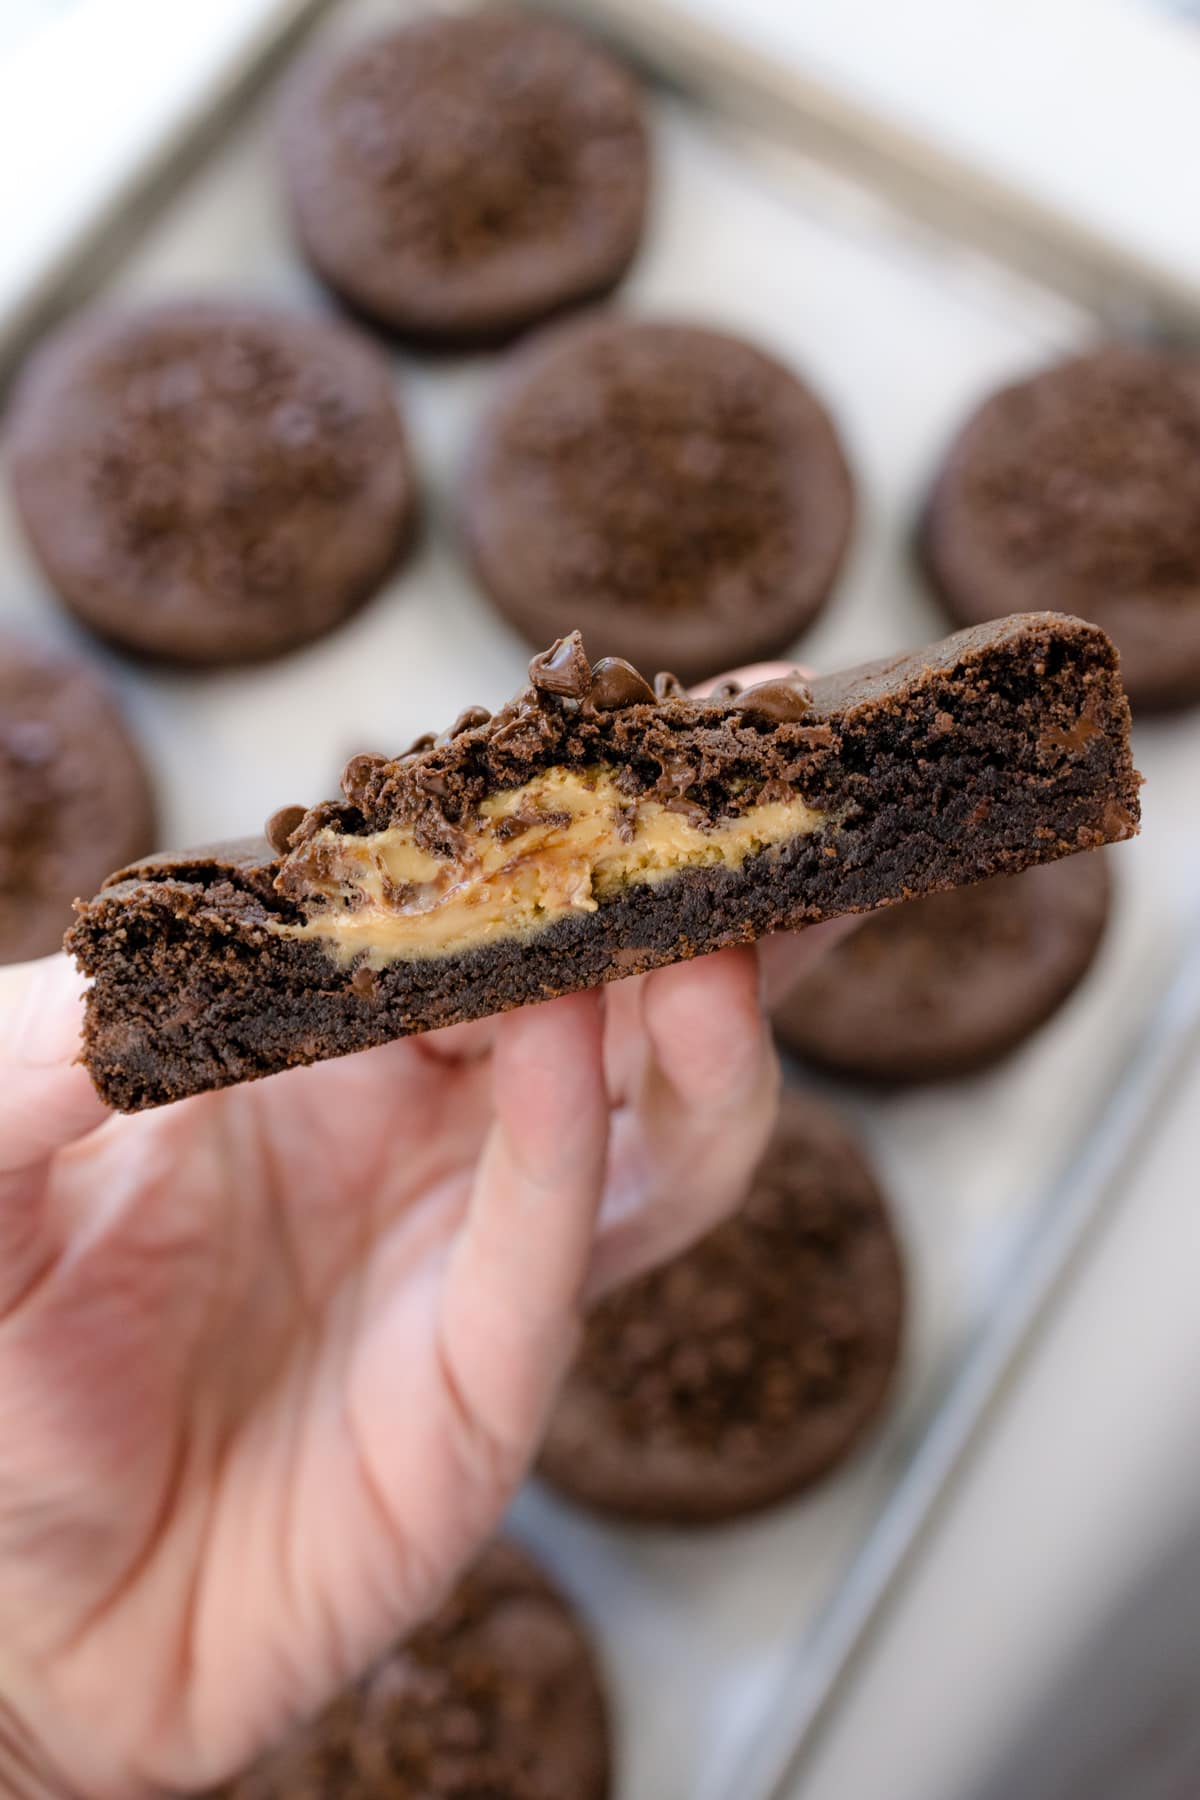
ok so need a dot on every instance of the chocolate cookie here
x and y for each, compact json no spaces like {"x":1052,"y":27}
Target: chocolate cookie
{"x":752,"y":1364}
{"x":946,"y":985}
{"x":211,"y":482}
{"x":497,"y":1698}
{"x":593,"y":828}
{"x":74,"y":797}
{"x":1078,"y":490}
{"x":677,"y":495}
{"x":460,"y":177}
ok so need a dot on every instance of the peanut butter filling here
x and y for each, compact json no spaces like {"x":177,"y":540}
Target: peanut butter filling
{"x":561,"y":844}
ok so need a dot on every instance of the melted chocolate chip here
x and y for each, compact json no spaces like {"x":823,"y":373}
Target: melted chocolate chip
{"x":358,"y":772}
{"x":616,"y":683}
{"x":563,"y":670}
{"x":668,"y":686}
{"x":468,"y":719}
{"x":726,"y":690}
{"x":281,"y":825}
{"x":1070,"y":738}
{"x":783,"y":701}
{"x":678,"y":774}
{"x":688,"y":809}
{"x":365,"y":982}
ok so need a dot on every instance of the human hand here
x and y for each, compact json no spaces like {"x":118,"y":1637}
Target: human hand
{"x":273,"y":1360}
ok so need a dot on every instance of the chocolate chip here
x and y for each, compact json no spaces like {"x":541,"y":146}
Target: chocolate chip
{"x":468,"y":719}
{"x":726,"y":690}
{"x":616,"y":683}
{"x":364,"y":982}
{"x":281,"y":825}
{"x":358,"y":772}
{"x":782,"y":702}
{"x":668,"y":686}
{"x":563,"y":670}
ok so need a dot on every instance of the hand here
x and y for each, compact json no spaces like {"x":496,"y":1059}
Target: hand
{"x":272,"y":1361}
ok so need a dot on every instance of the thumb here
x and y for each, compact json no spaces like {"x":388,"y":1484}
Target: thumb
{"x":46,"y":1102}
{"x":46,"y":1098}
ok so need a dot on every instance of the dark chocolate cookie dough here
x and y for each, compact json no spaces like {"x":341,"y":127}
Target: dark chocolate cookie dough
{"x":1078,"y":490}
{"x":211,"y":481}
{"x":461,"y":177}
{"x":673,"y":492}
{"x":946,"y":985}
{"x":749,"y":1366}
{"x":497,"y":1698}
{"x":74,"y":798}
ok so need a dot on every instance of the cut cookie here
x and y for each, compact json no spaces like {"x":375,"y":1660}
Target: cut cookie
{"x":592,"y":829}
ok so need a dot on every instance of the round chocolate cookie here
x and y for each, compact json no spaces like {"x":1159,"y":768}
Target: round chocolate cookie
{"x":210,"y":481}
{"x":497,"y":1698}
{"x":750,"y":1365}
{"x":460,"y":177}
{"x":75,"y":802}
{"x":1078,"y":491}
{"x":674,"y":493}
{"x":948,"y":984}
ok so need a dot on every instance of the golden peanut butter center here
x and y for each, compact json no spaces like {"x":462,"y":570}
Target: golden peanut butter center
{"x":561,"y":844}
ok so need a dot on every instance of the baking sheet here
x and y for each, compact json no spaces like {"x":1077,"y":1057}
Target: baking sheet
{"x":901,"y":332}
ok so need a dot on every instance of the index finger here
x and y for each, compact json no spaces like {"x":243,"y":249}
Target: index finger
{"x":698,"y":1105}
{"x":751,"y":673}
{"x":783,"y":957}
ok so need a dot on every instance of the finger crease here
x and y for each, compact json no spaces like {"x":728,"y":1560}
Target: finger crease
{"x":485,"y":1451}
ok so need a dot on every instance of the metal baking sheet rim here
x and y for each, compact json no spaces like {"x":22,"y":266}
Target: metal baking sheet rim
{"x":1002,"y":219}
{"x":1015,"y":231}
{"x":139,"y":183}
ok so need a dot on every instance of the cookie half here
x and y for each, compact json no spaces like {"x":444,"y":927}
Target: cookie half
{"x":463,"y":176}
{"x":592,"y":829}
{"x":499,"y":1695}
{"x":75,"y":799}
{"x":1078,"y":490}
{"x":678,"y":495}
{"x":946,"y":985}
{"x":211,"y":482}
{"x":753,"y":1363}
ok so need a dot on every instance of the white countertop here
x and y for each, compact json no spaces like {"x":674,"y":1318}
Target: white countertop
{"x":1089,"y":1460}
